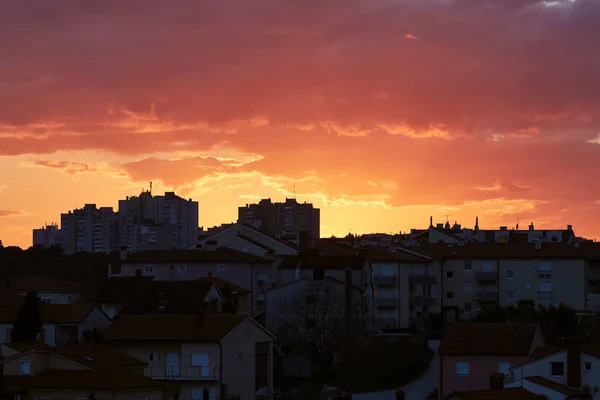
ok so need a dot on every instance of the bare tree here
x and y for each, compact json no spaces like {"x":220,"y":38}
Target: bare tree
{"x":313,"y":321}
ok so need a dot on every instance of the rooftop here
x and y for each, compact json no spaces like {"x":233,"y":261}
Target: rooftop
{"x":220,"y":254}
{"x":472,"y":338}
{"x":52,"y":313}
{"x":502,"y":250}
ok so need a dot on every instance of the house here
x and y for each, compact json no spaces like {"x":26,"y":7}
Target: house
{"x":237,"y":295}
{"x":479,"y":276}
{"x":63,"y":324}
{"x":287,"y":306}
{"x":37,"y":371}
{"x":571,"y":370}
{"x":470,"y":353}
{"x":248,"y":239}
{"x":242,"y":269}
{"x":403,"y":289}
{"x":48,"y":289}
{"x":145,"y":295}
{"x":206,"y":356}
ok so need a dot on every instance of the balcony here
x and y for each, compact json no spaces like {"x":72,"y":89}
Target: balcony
{"x":544,"y":295}
{"x":382,"y":323}
{"x":421,"y":301}
{"x":422,"y":280}
{"x":486,"y":296}
{"x":177,"y":373}
{"x":385,"y":302}
{"x":486,"y":277}
{"x":382,"y":280}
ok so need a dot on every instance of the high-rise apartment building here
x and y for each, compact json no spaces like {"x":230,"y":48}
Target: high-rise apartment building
{"x":46,"y":236}
{"x":158,"y":222}
{"x":287,"y":218}
{"x":89,"y":229}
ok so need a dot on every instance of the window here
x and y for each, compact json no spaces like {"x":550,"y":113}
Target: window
{"x":426,"y":291}
{"x":510,"y":295}
{"x":468,"y":266}
{"x":149,"y":269}
{"x":386,"y":270}
{"x":241,"y":356}
{"x":462,"y":368}
{"x":504,"y":367}
{"x":45,"y":299}
{"x":8,"y":335}
{"x":544,"y":270}
{"x":557,"y":369}
{"x":25,"y":367}
{"x":467,"y":287}
{"x":487,"y":266}
{"x":199,"y":393}
{"x":449,"y":274}
{"x":449,"y":295}
{"x":587,"y":366}
{"x":246,"y":332}
{"x":545,"y":291}
{"x":527,"y":285}
{"x":510,"y":273}
{"x":182,"y":268}
{"x":468,"y":308}
{"x":220,"y":268}
{"x":151,"y":398}
{"x":153,"y":357}
{"x":202,"y":361}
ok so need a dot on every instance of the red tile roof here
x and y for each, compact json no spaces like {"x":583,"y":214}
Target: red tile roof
{"x":472,"y":338}
{"x":171,"y":327}
{"x":554,"y":386}
{"x":500,"y":394}
{"x":221,"y":254}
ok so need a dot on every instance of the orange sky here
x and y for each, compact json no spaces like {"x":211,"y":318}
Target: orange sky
{"x":381,"y":113}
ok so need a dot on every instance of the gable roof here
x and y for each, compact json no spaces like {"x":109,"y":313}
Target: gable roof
{"x":120,"y":289}
{"x":503,"y":250}
{"x":53,"y":313}
{"x":261,"y":232}
{"x":440,"y":231}
{"x":554,"y":386}
{"x":474,"y":338}
{"x":401,"y":254}
{"x":323,"y":261}
{"x":220,"y":254}
{"x":194,"y":291}
{"x":171,"y":327}
{"x":256,"y":243}
{"x":517,"y":393}
{"x":223,"y":284}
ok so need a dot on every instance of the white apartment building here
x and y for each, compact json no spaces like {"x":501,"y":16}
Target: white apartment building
{"x":46,"y":236}
{"x":89,"y":229}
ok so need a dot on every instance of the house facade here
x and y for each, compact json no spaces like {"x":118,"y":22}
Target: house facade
{"x":206,"y":356}
{"x":62,"y":324}
{"x":470,"y":353}
{"x":242,"y":269}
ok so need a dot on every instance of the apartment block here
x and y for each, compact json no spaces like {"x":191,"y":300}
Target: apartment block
{"x":476,"y":277}
{"x":46,"y":236}
{"x":89,"y":229}
{"x":288,"y":218}
{"x":157,"y":222}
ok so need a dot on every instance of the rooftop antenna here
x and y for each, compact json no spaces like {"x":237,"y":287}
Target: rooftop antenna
{"x":518,"y":221}
{"x":294,"y":190}
{"x":150,"y":187}
{"x":447,"y":217}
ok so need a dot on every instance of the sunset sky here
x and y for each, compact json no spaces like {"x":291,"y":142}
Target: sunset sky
{"x":381,"y":112}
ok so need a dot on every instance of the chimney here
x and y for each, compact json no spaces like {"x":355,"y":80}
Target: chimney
{"x":573,"y":362}
{"x":440,"y":226}
{"x":531,"y":226}
{"x":304,"y":240}
{"x":569,"y":227}
{"x":431,"y":222}
{"x":123,"y":253}
{"x":496,"y":381}
{"x":211,"y":245}
{"x":476,"y":228}
{"x":348,"y":309}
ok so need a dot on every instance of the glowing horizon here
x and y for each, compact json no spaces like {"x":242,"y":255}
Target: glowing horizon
{"x":382,"y":114}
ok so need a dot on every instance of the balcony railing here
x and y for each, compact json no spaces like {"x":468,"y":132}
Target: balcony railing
{"x":486,"y":296}
{"x":423,"y":301}
{"x":544,"y":295}
{"x":175,"y":372}
{"x":487,"y":277}
{"x":385,"y":302}
{"x":383,"y":280}
{"x":422,"y":280}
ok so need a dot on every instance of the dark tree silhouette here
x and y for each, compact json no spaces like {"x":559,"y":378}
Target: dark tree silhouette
{"x":92,"y":396}
{"x":28,"y":321}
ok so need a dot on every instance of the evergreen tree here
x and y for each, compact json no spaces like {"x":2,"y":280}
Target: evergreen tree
{"x":28,"y":321}
{"x":92,"y":396}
